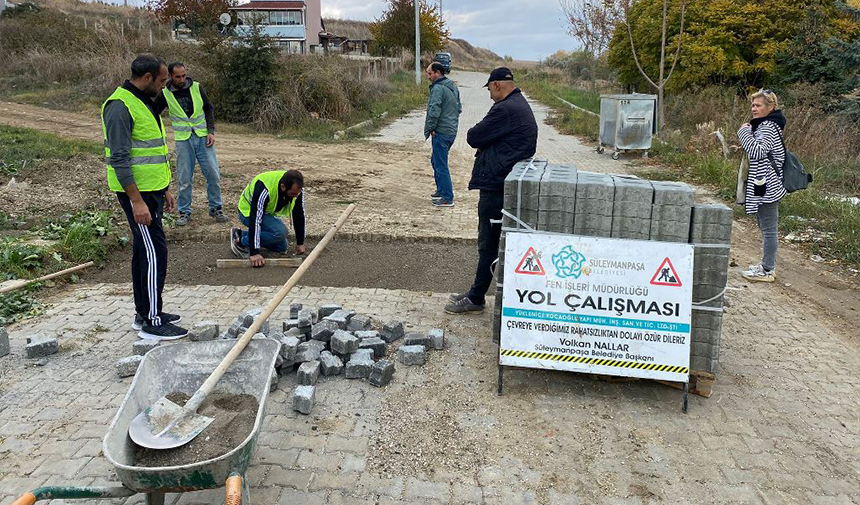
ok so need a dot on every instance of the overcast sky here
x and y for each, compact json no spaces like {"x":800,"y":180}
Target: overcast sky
{"x":524,"y":29}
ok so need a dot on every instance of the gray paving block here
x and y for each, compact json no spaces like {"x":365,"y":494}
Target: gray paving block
{"x":295,"y":308}
{"x":412,"y":354}
{"x":327,"y":310}
{"x":437,"y":338}
{"x":636,"y":209}
{"x":5,"y":346}
{"x":141,"y":347}
{"x":363,"y":335}
{"x":421,"y":339}
{"x":273,"y":381}
{"x":127,"y":367}
{"x":341,"y":317}
{"x":289,"y":324}
{"x":289,"y":346}
{"x":705,"y":336}
{"x":323,"y":330}
{"x":702,"y":363}
{"x":629,"y":190}
{"x":236,"y":329}
{"x":672,"y":193}
{"x":359,"y":322}
{"x":247,"y":318}
{"x":376,"y":344}
{"x":39,"y":346}
{"x":707,"y":319}
{"x":305,"y":318}
{"x":309,"y":351}
{"x":308,"y":373}
{"x":381,"y":373}
{"x":392,"y":331}
{"x":330,"y":364}
{"x":359,"y":365}
{"x":343,"y":342}
{"x":203,"y":331}
{"x":303,"y":398}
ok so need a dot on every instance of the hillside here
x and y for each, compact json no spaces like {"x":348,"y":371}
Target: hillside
{"x":466,"y":56}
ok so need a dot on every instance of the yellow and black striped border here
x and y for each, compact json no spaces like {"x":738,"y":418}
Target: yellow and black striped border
{"x":594,"y":361}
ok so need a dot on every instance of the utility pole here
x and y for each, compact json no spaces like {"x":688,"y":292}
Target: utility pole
{"x":417,"y":42}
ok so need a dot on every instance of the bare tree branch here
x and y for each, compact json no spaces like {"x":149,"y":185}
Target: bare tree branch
{"x":633,"y":46}
{"x":680,"y":40}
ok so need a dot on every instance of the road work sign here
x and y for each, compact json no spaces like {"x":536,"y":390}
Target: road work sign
{"x":597,"y":305}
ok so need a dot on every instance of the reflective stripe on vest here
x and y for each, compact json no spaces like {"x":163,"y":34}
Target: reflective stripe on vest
{"x":183,"y":125}
{"x":148,"y":146}
{"x":272,"y":181}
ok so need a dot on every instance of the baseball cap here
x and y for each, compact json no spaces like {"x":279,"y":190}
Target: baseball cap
{"x":500,"y":74}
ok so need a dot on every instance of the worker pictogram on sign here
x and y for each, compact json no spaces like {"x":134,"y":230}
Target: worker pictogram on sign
{"x":530,"y":264}
{"x":666,"y":275}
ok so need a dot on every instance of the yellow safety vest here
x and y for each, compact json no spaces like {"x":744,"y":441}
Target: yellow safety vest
{"x":148,"y":146}
{"x":272,"y":181}
{"x":179,"y":120}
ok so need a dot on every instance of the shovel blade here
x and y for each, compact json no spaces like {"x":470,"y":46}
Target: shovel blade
{"x":166,"y":425}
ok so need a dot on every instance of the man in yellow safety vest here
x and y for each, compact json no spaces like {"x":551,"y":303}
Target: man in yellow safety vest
{"x":192,"y":119}
{"x":267,"y":198}
{"x":139,"y":173}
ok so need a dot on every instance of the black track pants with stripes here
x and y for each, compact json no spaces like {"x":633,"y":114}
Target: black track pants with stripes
{"x":149,"y":259}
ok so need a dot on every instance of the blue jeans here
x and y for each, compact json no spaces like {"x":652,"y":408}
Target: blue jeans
{"x":439,"y":159}
{"x":273,"y":233}
{"x":768,"y":222}
{"x":188,"y":152}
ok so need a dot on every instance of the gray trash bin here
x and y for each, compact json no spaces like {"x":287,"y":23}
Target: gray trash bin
{"x":627,"y":122}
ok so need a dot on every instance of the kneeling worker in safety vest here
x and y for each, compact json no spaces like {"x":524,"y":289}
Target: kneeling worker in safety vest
{"x":139,"y":173}
{"x":267,"y":198}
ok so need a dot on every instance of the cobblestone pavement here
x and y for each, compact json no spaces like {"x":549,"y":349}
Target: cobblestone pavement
{"x":781,"y":427}
{"x":552,"y":145}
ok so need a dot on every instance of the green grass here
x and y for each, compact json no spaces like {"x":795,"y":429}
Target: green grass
{"x":565,"y":118}
{"x":22,"y":147}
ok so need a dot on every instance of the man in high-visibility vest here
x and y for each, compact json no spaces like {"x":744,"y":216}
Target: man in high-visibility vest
{"x":192,"y":119}
{"x":139,"y":173}
{"x":267,"y":198}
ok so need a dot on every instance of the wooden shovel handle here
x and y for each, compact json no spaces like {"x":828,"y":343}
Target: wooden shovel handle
{"x":48,"y":277}
{"x":194,"y":403}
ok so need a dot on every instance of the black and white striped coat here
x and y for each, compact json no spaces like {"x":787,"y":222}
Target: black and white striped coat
{"x":766,"y":140}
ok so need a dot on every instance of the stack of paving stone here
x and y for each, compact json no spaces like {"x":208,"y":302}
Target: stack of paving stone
{"x":324,"y":341}
{"x":588,"y":204}
{"x":710,"y":234}
{"x":332,"y":341}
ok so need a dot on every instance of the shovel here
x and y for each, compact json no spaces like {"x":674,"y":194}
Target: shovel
{"x":166,"y":425}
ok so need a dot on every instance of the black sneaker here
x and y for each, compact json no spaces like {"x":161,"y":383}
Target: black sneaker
{"x":438,"y":202}
{"x":166,"y":331}
{"x":183,"y":219}
{"x":435,"y":195}
{"x":138,"y":322}
{"x":236,"y":246}
{"x":463,"y":306}
{"x":218,"y":214}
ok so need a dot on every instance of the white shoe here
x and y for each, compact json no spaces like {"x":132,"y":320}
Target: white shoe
{"x":757,"y":273}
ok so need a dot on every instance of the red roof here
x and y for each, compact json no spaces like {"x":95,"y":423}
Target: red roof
{"x":269,"y":4}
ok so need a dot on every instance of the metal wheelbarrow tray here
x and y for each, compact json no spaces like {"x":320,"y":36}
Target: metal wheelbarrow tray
{"x":179,"y":368}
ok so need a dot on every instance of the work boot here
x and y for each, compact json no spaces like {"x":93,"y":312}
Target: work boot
{"x":183,"y":219}
{"x":218,"y":214}
{"x":236,"y":246}
{"x":464,"y":306}
{"x":165,"y":331}
{"x":139,"y":321}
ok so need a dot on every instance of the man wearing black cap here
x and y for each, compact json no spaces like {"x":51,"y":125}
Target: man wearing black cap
{"x":506,"y":135}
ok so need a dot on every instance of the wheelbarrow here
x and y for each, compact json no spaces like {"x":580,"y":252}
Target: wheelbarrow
{"x":179,"y":368}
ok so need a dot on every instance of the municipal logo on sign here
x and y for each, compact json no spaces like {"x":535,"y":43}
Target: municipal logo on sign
{"x":569,"y":263}
{"x":530,"y":264}
{"x":666,"y":275}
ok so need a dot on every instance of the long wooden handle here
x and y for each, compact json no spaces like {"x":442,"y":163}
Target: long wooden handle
{"x":194,"y":403}
{"x":48,"y":277}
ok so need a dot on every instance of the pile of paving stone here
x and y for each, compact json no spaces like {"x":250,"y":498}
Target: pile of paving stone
{"x":328,"y":341}
{"x":38,"y":346}
{"x":561,"y":199}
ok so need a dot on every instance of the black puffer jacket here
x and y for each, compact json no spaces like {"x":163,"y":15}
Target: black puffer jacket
{"x":506,"y":135}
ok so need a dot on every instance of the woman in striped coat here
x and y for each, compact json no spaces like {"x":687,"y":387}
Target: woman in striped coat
{"x":761,"y":139}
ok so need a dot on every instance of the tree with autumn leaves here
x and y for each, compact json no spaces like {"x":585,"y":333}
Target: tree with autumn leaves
{"x":395,"y":30}
{"x":734,"y":42}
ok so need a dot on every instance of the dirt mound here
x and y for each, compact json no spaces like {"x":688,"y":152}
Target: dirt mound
{"x":466,"y":56}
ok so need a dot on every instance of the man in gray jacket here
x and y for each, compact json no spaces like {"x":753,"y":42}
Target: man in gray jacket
{"x":443,"y":116}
